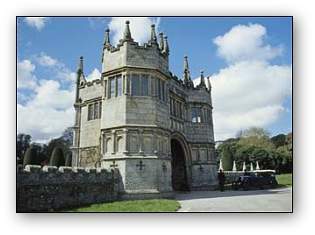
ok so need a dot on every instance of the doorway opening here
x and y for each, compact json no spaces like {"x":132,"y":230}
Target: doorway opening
{"x":179,"y":174}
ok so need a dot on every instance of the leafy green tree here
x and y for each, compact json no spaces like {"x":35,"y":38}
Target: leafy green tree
{"x":279,"y":140}
{"x":23,"y":142}
{"x":254,"y":132}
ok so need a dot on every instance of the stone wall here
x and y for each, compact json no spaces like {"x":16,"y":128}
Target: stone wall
{"x":51,"y":188}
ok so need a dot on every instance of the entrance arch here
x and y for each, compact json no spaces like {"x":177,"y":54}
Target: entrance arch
{"x":180,"y":163}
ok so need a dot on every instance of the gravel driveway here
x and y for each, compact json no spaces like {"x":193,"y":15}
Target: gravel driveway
{"x":272,"y":200}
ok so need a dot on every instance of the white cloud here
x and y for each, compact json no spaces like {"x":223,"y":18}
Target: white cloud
{"x":46,"y":60}
{"x":140,"y":28}
{"x":36,"y":22}
{"x":48,"y":113}
{"x":250,"y":91}
{"x":94,"y":75}
{"x":246,"y":42}
{"x":25,"y":75}
{"x":60,"y":70}
{"x":47,"y":110}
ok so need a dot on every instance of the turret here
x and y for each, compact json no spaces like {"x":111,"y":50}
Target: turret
{"x":149,"y":55}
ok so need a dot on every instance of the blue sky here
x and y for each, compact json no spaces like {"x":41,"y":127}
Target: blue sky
{"x":244,"y":56}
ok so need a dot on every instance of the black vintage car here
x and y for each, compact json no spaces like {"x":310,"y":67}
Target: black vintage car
{"x":261,"y":179}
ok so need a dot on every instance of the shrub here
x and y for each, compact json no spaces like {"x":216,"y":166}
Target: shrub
{"x":30,"y":157}
{"x":69,"y":159}
{"x":57,"y":157}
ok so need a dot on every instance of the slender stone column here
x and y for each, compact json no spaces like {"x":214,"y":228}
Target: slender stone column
{"x":141,"y":141}
{"x":155,"y":143}
{"x":114,"y":142}
{"x":126,"y":143}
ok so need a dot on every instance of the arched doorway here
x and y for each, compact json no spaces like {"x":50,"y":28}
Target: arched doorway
{"x":179,"y":172}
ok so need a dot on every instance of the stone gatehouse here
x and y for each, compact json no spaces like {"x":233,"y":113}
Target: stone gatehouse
{"x":139,"y":118}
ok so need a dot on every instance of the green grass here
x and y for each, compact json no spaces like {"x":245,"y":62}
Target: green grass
{"x":155,"y":205}
{"x":284,"y":179}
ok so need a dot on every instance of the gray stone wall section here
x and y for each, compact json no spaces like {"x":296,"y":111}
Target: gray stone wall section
{"x":52,"y":189}
{"x":91,"y":90}
{"x":143,"y":175}
{"x":204,"y":176}
{"x":89,"y":130}
{"x":114,"y":112}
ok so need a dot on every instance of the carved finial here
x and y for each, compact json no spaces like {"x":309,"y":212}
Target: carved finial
{"x":161,"y":41}
{"x":209,"y":83}
{"x":166,"y":49}
{"x":153,"y":35}
{"x":80,"y":77}
{"x":186,"y":70}
{"x":127,"y":34}
{"x":107,"y":39}
{"x":202,"y":80}
{"x":80,"y":66}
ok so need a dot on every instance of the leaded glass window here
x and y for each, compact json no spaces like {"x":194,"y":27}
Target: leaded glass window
{"x":135,"y":85}
{"x":119,"y":85}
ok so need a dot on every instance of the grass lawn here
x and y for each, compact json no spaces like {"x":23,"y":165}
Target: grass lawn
{"x":284,"y":179}
{"x":155,"y":205}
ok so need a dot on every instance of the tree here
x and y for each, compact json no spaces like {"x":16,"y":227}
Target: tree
{"x":279,"y":140}
{"x":284,"y":156}
{"x":23,"y":142}
{"x":254,"y":131}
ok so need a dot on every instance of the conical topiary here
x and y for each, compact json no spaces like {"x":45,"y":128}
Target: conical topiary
{"x":57,"y":158}
{"x":69,"y":159}
{"x":227,"y":158}
{"x":30,"y":157}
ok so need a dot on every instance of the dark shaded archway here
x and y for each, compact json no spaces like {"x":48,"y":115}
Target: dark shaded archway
{"x":179,"y":174}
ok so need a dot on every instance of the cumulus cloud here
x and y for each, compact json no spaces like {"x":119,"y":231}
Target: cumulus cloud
{"x":48,"y":110}
{"x":25,"y":75}
{"x":140,"y":28}
{"x":94,"y":75}
{"x":46,"y":60}
{"x":246,"y":42}
{"x":250,"y":91}
{"x":36,"y":22}
{"x":56,"y":67}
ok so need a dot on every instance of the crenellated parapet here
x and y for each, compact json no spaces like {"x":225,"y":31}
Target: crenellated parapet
{"x":50,"y":188}
{"x":151,"y":55}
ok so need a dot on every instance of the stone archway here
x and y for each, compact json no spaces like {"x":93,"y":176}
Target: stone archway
{"x":180,"y":164}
